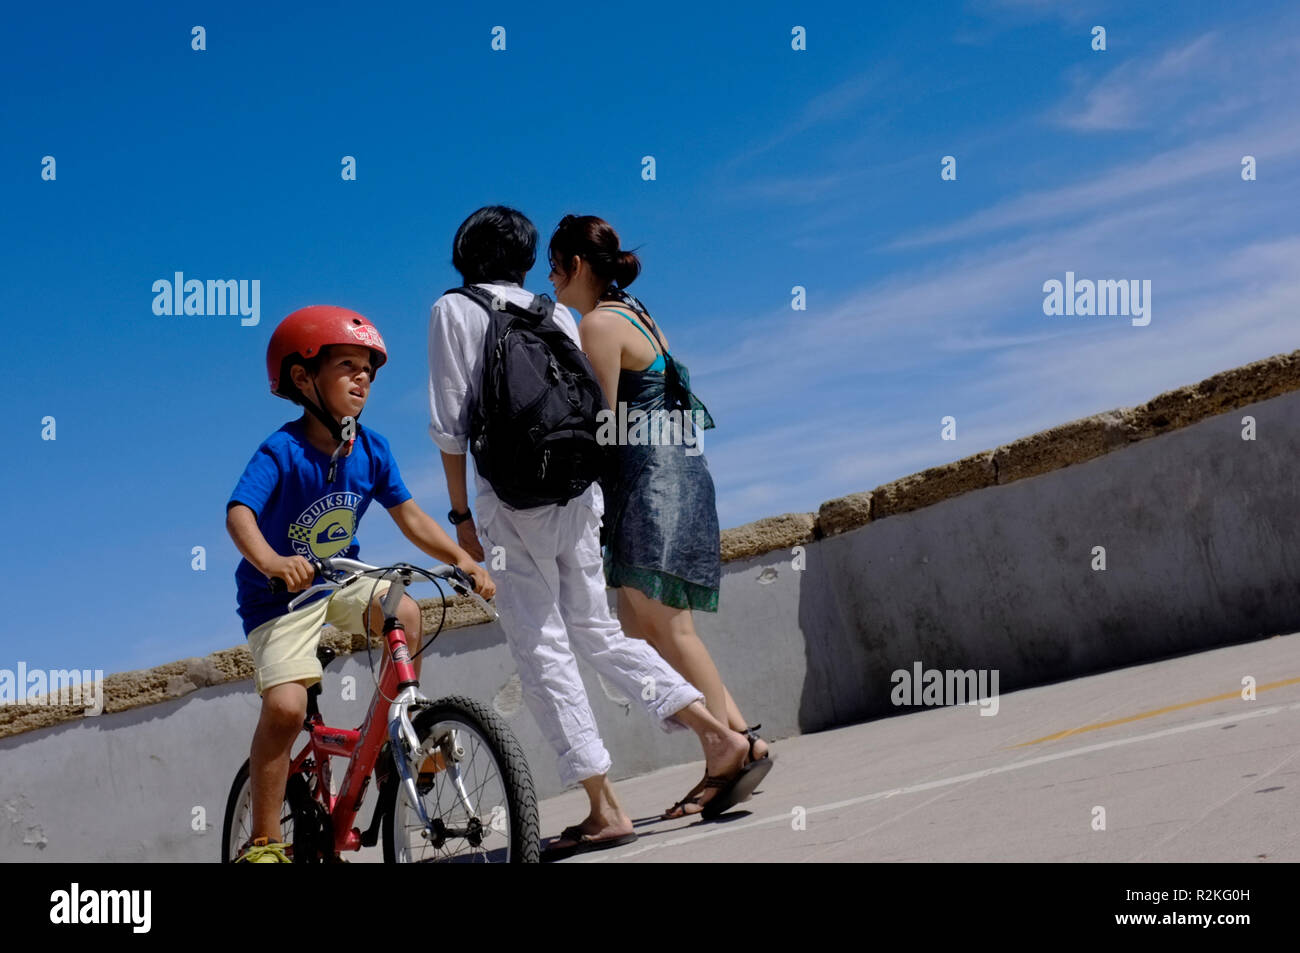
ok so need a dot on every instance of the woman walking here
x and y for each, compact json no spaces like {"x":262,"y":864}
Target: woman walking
{"x":662,"y":550}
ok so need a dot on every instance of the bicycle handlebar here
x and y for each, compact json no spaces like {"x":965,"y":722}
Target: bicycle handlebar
{"x":457,"y":578}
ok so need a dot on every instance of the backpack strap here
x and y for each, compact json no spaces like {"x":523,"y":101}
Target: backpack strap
{"x":539,"y":309}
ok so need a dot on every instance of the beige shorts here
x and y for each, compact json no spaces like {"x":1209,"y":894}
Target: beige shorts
{"x":284,"y":649}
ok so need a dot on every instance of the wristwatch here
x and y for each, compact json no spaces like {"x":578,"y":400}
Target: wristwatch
{"x":458,"y":518}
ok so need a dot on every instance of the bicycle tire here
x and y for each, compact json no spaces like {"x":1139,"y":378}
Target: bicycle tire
{"x":511,"y":766}
{"x":239,"y":802}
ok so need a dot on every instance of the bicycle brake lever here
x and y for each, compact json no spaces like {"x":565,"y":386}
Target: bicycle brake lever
{"x":482,"y":603}
{"x":302,"y":596}
{"x":463,"y":583}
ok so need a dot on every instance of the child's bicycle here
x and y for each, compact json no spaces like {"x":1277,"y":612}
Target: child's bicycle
{"x":466,"y":792}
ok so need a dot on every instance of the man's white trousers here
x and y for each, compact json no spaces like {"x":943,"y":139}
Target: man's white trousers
{"x":551,"y":596}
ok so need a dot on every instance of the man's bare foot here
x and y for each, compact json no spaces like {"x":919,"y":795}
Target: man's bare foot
{"x":596,"y":828}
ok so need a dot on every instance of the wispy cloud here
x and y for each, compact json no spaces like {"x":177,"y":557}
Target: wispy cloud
{"x":1213,"y":78}
{"x":835,"y":103}
{"x":1221,"y":254}
{"x":1171,"y":171}
{"x":1140,"y":90}
{"x":991,"y":18}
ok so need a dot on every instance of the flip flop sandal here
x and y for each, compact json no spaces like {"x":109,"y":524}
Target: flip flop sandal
{"x":584,"y":843}
{"x":734,"y":789}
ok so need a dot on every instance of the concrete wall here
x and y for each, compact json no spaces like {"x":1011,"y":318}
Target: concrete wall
{"x":1202,"y":548}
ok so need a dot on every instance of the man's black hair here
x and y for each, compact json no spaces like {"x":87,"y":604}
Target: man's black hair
{"x":496,"y":243}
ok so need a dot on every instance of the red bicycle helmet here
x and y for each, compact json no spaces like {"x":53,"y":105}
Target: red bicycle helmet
{"x":303,"y":334}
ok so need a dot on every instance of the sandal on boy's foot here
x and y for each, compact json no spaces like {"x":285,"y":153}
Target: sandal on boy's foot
{"x":678,"y":811}
{"x":262,"y":850}
{"x":583,"y":843}
{"x":734,"y":789}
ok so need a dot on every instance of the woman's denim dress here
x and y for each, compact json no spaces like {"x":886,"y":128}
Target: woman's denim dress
{"x":661,"y":518}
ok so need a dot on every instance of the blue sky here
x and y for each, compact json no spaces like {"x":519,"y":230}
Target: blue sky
{"x":775,"y":168}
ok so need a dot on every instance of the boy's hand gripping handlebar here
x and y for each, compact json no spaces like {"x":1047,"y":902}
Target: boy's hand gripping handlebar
{"x":455,"y":577}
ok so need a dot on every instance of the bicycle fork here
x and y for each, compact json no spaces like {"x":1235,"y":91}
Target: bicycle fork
{"x":400,"y":729}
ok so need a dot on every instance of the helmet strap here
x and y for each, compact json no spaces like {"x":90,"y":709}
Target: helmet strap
{"x":318,"y":409}
{"x":332,"y":425}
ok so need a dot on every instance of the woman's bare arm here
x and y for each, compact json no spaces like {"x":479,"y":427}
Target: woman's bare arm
{"x":600,"y":342}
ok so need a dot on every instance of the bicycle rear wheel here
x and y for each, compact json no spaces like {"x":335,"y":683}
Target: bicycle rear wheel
{"x":237,"y":829}
{"x":500,"y":824}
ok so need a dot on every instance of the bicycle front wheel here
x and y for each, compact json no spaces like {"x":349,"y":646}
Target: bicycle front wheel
{"x":482,"y":807}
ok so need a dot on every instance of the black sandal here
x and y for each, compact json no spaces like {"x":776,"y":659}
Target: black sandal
{"x":692,"y":797}
{"x":735,"y":789}
{"x":751,"y":732}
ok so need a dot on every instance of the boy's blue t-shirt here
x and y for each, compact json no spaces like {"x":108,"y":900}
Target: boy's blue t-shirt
{"x":284,"y":484}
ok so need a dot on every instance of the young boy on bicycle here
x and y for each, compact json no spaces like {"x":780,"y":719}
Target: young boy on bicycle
{"x":302,"y":494}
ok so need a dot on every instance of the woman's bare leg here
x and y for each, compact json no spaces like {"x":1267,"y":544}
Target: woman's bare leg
{"x":631,"y":623}
{"x":672,"y":633}
{"x":633,"y":627}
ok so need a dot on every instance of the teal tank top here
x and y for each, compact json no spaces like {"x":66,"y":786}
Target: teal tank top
{"x":658,"y":364}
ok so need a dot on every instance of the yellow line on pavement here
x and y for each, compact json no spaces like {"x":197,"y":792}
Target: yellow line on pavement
{"x":1226,"y":696}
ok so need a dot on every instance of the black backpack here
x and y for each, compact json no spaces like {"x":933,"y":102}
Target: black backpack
{"x":533,"y":428}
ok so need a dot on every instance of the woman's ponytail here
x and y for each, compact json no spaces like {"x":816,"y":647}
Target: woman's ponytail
{"x":627,"y":268}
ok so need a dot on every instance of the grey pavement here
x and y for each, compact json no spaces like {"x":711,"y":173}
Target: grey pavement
{"x":1179,"y":777}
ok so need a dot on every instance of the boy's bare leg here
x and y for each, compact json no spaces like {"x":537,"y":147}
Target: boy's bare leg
{"x":284,"y":707}
{"x":408,"y":613}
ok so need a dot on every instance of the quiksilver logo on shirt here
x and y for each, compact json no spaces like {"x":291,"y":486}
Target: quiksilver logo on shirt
{"x":325,"y":527}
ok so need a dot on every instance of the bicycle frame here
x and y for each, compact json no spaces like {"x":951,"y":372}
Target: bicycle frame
{"x":361,"y":746}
